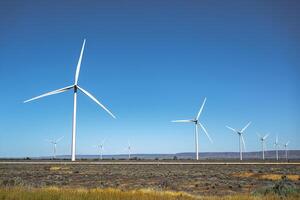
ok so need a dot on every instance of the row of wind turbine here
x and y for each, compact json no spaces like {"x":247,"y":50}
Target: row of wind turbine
{"x":75,"y":88}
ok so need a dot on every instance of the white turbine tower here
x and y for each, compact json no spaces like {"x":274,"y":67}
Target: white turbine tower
{"x":286,"y":150}
{"x":276,"y":144}
{"x":241,"y":138}
{"x":75,"y":87}
{"x":55,"y":142}
{"x":197,"y":124}
{"x":263,"y":145}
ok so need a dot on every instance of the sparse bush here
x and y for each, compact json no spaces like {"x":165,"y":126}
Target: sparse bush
{"x":11,"y":182}
{"x":164,"y":184}
{"x":283,"y":188}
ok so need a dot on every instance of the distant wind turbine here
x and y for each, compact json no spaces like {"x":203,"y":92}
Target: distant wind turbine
{"x":55,"y":142}
{"x":276,"y":144}
{"x":75,"y":87}
{"x":241,"y":138}
{"x":101,"y":147}
{"x":263,"y":145}
{"x":129,"y":150}
{"x":197,"y":124}
{"x":286,"y":150}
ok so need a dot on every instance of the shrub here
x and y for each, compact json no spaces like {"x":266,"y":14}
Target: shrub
{"x":283,"y":188}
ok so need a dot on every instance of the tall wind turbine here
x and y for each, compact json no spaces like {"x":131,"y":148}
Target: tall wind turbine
{"x":241,"y":138}
{"x":54,"y":142}
{"x":197,"y":124}
{"x":276,"y":144}
{"x":286,"y":150}
{"x":75,"y":87}
{"x":263,"y":145}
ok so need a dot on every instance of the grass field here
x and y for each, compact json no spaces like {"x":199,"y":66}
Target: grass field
{"x":53,"y":193}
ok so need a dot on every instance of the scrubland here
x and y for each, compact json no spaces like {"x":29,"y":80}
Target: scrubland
{"x":149,"y":182}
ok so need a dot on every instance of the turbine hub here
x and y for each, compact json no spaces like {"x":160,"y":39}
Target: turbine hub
{"x":75,"y":88}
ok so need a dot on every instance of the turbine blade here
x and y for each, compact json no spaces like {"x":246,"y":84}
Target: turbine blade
{"x":258,"y":135}
{"x":266,"y":136}
{"x":59,"y":139}
{"x":79,"y":63}
{"x":232,"y":129}
{"x":245,"y":127}
{"x":206,"y":133}
{"x":199,"y":113}
{"x":94,"y":99}
{"x":184,"y":120}
{"x":243,"y":141}
{"x":287,"y":143}
{"x":51,"y":141}
{"x":50,"y":93}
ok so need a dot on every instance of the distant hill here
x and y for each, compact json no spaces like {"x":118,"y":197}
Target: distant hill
{"x":292,"y":155}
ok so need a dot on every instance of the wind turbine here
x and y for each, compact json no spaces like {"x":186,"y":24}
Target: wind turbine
{"x":101,"y":147}
{"x":129,"y":150}
{"x":75,"y":87}
{"x":54,"y":142}
{"x":286,"y":150}
{"x":276,"y":144}
{"x":197,"y":124}
{"x":263,"y":140}
{"x":241,"y":138}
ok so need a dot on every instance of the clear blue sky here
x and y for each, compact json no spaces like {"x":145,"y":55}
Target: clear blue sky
{"x":149,"y":62}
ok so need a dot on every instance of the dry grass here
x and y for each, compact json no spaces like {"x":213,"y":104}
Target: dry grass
{"x":275,"y":177}
{"x":58,"y":168}
{"x":269,"y":176}
{"x":53,"y":193}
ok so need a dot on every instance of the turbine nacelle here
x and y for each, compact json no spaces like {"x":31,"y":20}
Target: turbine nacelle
{"x":286,"y":144}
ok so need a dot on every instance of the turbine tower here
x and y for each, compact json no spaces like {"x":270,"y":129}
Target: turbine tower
{"x":241,"y":138}
{"x":263,"y":145}
{"x":276,"y":144}
{"x":75,"y":87}
{"x":101,"y":147}
{"x":286,"y":150}
{"x":55,"y":142}
{"x":197,"y":124}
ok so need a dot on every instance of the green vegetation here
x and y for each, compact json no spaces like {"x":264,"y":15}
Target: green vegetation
{"x":53,"y":193}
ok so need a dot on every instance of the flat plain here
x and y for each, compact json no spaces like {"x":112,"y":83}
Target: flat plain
{"x":193,"y":178}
